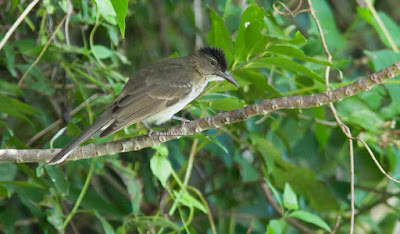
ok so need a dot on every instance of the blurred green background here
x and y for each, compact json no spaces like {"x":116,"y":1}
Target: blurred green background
{"x":297,"y":160}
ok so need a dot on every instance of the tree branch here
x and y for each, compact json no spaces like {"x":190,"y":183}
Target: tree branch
{"x":216,"y":121}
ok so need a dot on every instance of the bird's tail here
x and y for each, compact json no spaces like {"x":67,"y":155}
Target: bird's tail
{"x":103,"y":121}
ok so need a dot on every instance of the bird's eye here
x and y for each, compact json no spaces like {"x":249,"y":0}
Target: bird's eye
{"x":213,"y":62}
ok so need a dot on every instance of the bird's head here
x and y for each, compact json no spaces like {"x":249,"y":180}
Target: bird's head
{"x":212,"y":63}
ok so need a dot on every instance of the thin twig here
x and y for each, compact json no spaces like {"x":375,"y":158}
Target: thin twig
{"x":381,"y":25}
{"x":191,"y":161}
{"x":66,"y":28}
{"x":209,"y":213}
{"x":334,"y":230}
{"x":17,"y":23}
{"x":343,"y":127}
{"x":66,"y":210}
{"x":376,"y":161}
{"x":81,"y":196}
{"x":250,"y":225}
{"x":42,"y":52}
{"x":292,"y":13}
{"x":192,"y":155}
{"x":351,"y":182}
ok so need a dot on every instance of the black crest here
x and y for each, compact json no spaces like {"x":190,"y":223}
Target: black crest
{"x":218,"y":54}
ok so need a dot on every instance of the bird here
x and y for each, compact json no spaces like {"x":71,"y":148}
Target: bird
{"x":156,"y":93}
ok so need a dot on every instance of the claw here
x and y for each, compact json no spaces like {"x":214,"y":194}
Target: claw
{"x":149,"y":130}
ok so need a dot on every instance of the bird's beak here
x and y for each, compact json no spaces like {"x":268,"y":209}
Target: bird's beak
{"x":228,"y":77}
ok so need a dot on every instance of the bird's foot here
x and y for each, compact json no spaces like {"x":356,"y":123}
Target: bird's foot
{"x":180,"y":119}
{"x":149,"y":130}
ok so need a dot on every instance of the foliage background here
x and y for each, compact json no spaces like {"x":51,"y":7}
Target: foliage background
{"x":302,"y":154}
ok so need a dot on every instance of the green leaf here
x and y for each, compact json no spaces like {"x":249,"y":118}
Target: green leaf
{"x":106,"y":10}
{"x":363,"y":117}
{"x":389,"y":223}
{"x":303,"y":180}
{"x":227,"y":104}
{"x":275,"y":192}
{"x":219,"y":35}
{"x":25,"y":45}
{"x":322,"y":132}
{"x":211,"y":140}
{"x":131,"y":181}
{"x":334,"y":38}
{"x":101,"y":52}
{"x":286,"y":64}
{"x":9,"y":59}
{"x":382,"y":58}
{"x":187,"y":200}
{"x":108,"y":229}
{"x":254,"y":41}
{"x":251,"y":76}
{"x":298,"y":39}
{"x":247,"y":170}
{"x":94,"y":200}
{"x":39,"y":83}
{"x":7,"y":220}
{"x":8,"y":171}
{"x":161,"y":150}
{"x":310,"y":218}
{"x":73,"y":129}
{"x":54,"y":213}
{"x":146,"y":223}
{"x":290,"y":198}
{"x":392,"y":28}
{"x":253,"y":15}
{"x":120,"y":8}
{"x":174,"y":55}
{"x":7,"y":88}
{"x":161,"y":168}
{"x":4,"y":192}
{"x":58,"y":178}
{"x":30,"y":196}
{"x":276,"y":226}
{"x":296,"y":53}
{"x":16,"y":108}
{"x":113,"y":34}
{"x":13,"y":4}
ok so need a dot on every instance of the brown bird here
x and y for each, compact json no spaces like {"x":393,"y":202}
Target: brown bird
{"x":156,"y":93}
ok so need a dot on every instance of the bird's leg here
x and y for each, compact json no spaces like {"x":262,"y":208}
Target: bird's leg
{"x":149,"y":130}
{"x":180,"y":119}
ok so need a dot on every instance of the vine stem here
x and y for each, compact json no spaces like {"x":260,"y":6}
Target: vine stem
{"x":381,"y":25}
{"x":191,"y":161}
{"x":21,"y":81}
{"x":81,"y":196}
{"x":343,"y":127}
{"x":17,"y":23}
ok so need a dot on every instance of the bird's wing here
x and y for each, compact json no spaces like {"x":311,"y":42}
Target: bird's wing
{"x":150,"y":91}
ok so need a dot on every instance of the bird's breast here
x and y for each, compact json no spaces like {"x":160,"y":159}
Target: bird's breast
{"x":167,"y":113}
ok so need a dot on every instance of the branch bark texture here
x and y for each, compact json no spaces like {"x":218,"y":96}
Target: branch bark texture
{"x":216,"y":121}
